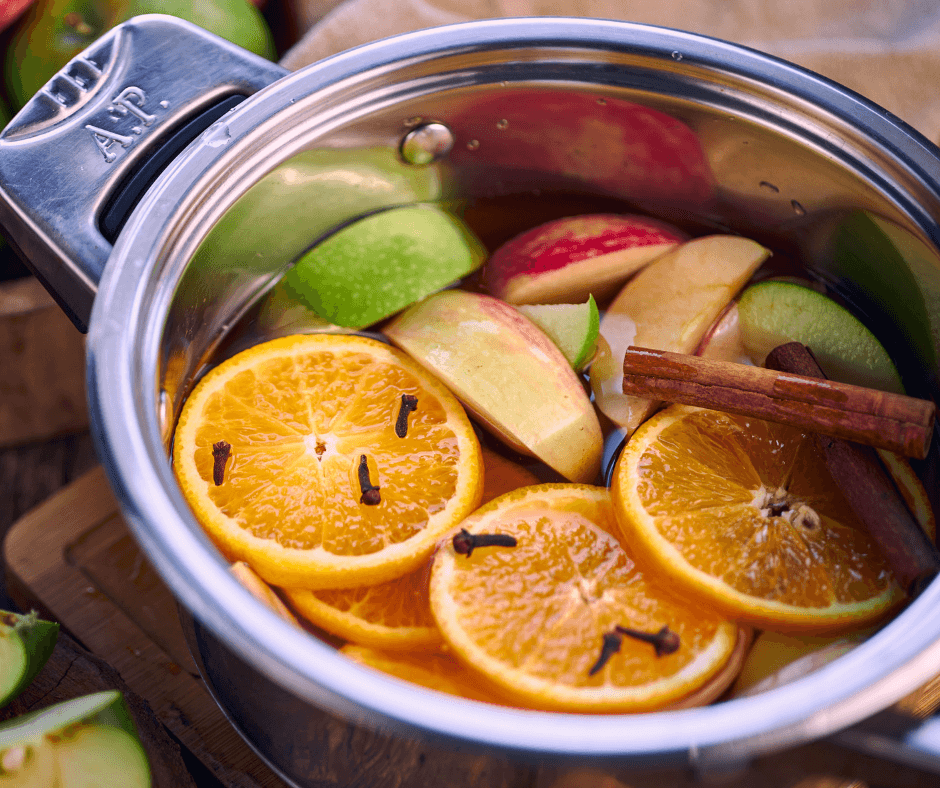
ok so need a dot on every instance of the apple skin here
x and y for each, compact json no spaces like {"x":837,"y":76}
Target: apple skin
{"x":380,"y":264}
{"x":10,"y":10}
{"x":669,"y":305}
{"x":570,"y":139}
{"x":508,"y":374}
{"x":52,"y":32}
{"x":566,"y":260}
{"x":26,"y":643}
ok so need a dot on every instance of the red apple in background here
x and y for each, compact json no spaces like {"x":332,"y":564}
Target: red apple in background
{"x":566,"y":260}
{"x":612,"y":146}
{"x":10,"y":10}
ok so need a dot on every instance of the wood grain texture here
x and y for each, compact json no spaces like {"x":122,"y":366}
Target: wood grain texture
{"x":42,"y":355}
{"x":72,"y":672}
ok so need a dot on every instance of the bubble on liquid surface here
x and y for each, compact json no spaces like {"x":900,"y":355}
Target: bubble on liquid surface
{"x":677,"y":56}
{"x":217,"y":135}
{"x":502,"y":123}
{"x":473,"y":144}
{"x":426,"y":143}
{"x":769,"y":187}
{"x":798,"y":209}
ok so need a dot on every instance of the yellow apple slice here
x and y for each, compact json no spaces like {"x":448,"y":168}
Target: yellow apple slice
{"x":669,"y":305}
{"x":508,"y":374}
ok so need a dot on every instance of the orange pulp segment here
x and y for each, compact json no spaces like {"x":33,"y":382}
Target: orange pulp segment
{"x":533,"y":618}
{"x":310,"y":422}
{"x":743,"y":515}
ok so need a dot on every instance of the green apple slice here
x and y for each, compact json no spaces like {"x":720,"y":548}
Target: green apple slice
{"x":772,"y":313}
{"x":26,"y":642}
{"x":383,"y":263}
{"x":86,"y":741}
{"x":573,"y":327}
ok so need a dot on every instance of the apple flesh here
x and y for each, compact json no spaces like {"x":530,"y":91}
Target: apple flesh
{"x":508,"y":374}
{"x":86,"y":741}
{"x":669,"y":305}
{"x":380,"y":264}
{"x":26,"y":642}
{"x":566,"y":260}
{"x":574,"y":328}
{"x":261,"y":591}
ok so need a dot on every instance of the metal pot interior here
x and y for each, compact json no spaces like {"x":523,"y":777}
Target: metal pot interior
{"x":545,"y":117}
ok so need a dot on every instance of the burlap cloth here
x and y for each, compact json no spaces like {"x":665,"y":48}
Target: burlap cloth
{"x":887,"y":50}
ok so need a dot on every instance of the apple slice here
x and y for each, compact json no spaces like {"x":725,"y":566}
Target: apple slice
{"x":26,"y":642}
{"x":573,"y":328}
{"x":568,"y":259}
{"x":772,"y":313}
{"x":669,"y":305}
{"x":261,"y":591}
{"x":380,"y":264}
{"x":508,"y":374}
{"x":86,"y":741}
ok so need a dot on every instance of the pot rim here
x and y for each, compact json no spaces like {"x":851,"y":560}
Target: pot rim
{"x":123,"y":343}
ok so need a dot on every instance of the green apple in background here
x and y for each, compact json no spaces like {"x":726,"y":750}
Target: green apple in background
{"x":52,"y":32}
{"x":88,"y":741}
{"x":772,"y":313}
{"x":382,"y":263}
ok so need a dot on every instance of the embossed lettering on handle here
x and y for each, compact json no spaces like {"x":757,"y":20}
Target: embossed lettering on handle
{"x":128,"y":103}
{"x":102,"y":118}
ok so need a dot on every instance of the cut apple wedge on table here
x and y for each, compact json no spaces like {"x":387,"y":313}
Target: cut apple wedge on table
{"x":26,"y":642}
{"x":568,"y":259}
{"x":508,"y":374}
{"x":669,"y":305}
{"x":87,"y":741}
{"x":573,"y":328}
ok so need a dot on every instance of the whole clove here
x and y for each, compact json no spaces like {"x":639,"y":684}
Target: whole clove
{"x":465,"y":542}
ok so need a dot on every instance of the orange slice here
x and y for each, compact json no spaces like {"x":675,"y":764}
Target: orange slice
{"x":501,"y":475}
{"x":534,"y":618}
{"x":743,"y":515}
{"x":391,"y":615}
{"x":299,"y":415}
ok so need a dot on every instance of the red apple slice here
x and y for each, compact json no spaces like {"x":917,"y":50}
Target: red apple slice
{"x":508,"y":374}
{"x":566,"y":260}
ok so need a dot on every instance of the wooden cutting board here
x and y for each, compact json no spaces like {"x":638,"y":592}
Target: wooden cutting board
{"x":73,"y":559}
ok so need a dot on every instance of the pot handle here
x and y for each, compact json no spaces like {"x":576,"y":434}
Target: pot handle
{"x":75,"y":160}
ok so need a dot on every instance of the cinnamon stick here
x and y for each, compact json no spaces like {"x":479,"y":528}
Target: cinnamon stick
{"x":876,"y":418}
{"x":870,"y":492}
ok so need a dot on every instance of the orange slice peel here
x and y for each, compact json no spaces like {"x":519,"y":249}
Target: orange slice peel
{"x":310,"y":424}
{"x":533,"y":618}
{"x":743,"y":515}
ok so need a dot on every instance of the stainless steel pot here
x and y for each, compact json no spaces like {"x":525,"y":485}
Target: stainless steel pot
{"x":693,"y":129}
